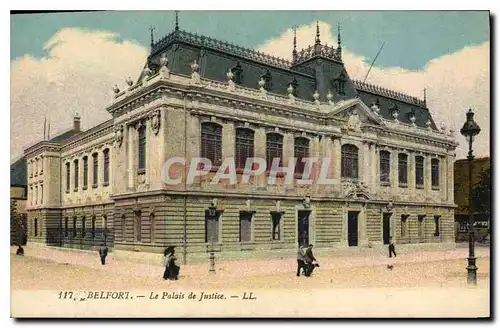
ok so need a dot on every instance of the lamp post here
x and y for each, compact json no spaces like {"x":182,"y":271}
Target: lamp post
{"x":469,"y":131}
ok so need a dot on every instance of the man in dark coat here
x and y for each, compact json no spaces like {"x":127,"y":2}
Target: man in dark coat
{"x":103,"y":252}
{"x":20,"y":250}
{"x":301,"y":264}
{"x":392,"y":248}
{"x":310,"y":259}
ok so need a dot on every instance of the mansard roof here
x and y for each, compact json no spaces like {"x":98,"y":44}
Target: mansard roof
{"x":318,"y":67}
{"x":18,"y":172}
{"x":65,"y":136}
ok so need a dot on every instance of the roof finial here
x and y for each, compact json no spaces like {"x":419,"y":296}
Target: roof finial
{"x":425,"y":96}
{"x":176,"y":20}
{"x":338,"y":35}
{"x":294,"y":52}
{"x":317,"y":33}
{"x":151,"y":29}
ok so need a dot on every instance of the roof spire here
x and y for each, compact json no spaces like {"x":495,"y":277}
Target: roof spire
{"x":151,"y":29}
{"x":317,"y":33}
{"x":425,"y":96}
{"x":338,"y":35}
{"x":339,"y":46}
{"x":294,"y":52}
{"x":176,"y":20}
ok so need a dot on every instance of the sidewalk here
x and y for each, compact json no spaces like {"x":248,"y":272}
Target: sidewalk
{"x":239,"y":268}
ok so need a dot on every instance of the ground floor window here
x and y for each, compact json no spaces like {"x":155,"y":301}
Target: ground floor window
{"x":66,"y":227}
{"x":138,"y":226}
{"x":74,"y":226}
{"x":246,"y":226}
{"x":436,"y":225}
{"x":276,"y":225}
{"x":36,"y":227}
{"x":420,"y":226}
{"x":83,"y":227}
{"x":93,"y":227}
{"x":212,"y":226}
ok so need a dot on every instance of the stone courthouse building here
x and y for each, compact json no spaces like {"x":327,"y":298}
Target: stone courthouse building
{"x":201,"y":97}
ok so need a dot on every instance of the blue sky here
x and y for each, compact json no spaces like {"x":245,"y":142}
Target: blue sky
{"x":412,"y":37}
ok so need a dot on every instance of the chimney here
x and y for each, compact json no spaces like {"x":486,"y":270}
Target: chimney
{"x":76,"y":122}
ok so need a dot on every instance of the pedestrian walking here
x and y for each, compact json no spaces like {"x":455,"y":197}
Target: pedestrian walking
{"x":310,"y":260}
{"x":103,"y":252}
{"x":392,"y":248}
{"x":171,"y":269}
{"x":301,"y":264}
{"x":20,"y":250}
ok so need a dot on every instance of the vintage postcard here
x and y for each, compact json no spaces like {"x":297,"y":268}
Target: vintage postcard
{"x":272,"y":164}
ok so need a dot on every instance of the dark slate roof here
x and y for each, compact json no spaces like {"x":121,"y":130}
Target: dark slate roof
{"x":65,"y":136}
{"x":18,"y":176}
{"x":317,"y":68}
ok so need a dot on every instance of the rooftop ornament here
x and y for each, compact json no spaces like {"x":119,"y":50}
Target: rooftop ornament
{"x":329,"y":97}
{"x":129,"y":81}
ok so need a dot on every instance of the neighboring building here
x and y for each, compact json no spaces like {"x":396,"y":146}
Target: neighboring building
{"x":200,"y":97}
{"x":18,"y":214}
{"x":482,"y":220}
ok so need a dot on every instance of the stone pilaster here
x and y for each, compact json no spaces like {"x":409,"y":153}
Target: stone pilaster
{"x":130,"y":156}
{"x":336,"y":160}
{"x":148,"y":165}
{"x":260,"y":143}
{"x":411,"y":174}
{"x":450,"y":159}
{"x":394,"y":172}
{"x":228,"y":140}
{"x":427,"y":175}
{"x":288,"y":147}
{"x":443,"y":178}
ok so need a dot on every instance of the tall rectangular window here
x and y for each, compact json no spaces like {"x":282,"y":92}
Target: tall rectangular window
{"x":138,"y":226}
{"x":106,"y":167}
{"x":274,"y":149}
{"x":74,"y":226}
{"x":211,"y":142}
{"x":385,"y":167}
{"x":301,"y":151}
{"x":85,"y":172}
{"x":76,"y":174}
{"x":244,"y":146}
{"x":66,"y":227}
{"x":36,"y":227}
{"x":83,"y":227}
{"x":95,"y":170}
{"x":93,"y":227}
{"x":68,"y":171}
{"x":404,"y":218}
{"x":435,"y":172}
{"x":211,"y":227}
{"x":403,"y":169}
{"x":142,"y":149}
{"x":419,"y":171}
{"x":436,"y":225}
{"x":246,"y":226}
{"x":276,"y":225}
{"x":349,"y":161}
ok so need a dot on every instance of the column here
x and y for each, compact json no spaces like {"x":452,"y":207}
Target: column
{"x":326,"y":151}
{"x":427,"y":175}
{"x":147,"y":165}
{"x":260,"y":143}
{"x":336,"y":160}
{"x":411,"y":176}
{"x":365,"y":174}
{"x":375,"y":168}
{"x":288,"y":147}
{"x":130,"y":153}
{"x":449,"y":177}
{"x":442,"y":178}
{"x":228,"y":140}
{"x":394,"y":172}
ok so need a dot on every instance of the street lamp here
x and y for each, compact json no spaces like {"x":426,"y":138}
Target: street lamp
{"x":469,"y":131}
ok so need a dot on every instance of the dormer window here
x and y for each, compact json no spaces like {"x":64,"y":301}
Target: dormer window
{"x":267,"y":79}
{"x":339,"y":84}
{"x":237,"y":73}
{"x":295,"y":85}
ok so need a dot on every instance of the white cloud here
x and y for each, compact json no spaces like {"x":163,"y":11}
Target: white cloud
{"x":77,"y":75}
{"x":454,"y":82}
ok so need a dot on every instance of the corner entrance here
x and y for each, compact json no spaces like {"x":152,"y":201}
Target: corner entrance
{"x":386,"y":226}
{"x":303,"y":227}
{"x":352,"y":228}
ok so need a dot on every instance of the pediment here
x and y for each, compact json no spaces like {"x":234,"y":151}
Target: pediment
{"x":354,"y":112}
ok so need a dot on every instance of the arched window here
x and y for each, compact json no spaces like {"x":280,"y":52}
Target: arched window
{"x":85,"y":172}
{"x":301,"y":151}
{"x":211,"y":142}
{"x":142,"y":148}
{"x":274,"y":149}
{"x":67,"y":177}
{"x":435,"y":172}
{"x":349,"y":164}
{"x":74,"y":226}
{"x":385,"y":167}
{"x":93,"y":226}
{"x":76,"y":174}
{"x":66,"y":227}
{"x":244,"y":146}
{"x":403,"y":169}
{"x":419,"y":171}
{"x":106,"y":167}
{"x":124,"y":227}
{"x":83,"y":227}
{"x":95,"y":172}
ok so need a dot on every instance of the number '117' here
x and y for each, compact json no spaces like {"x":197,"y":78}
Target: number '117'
{"x":65,"y":295}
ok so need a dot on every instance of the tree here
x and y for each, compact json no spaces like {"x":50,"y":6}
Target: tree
{"x":481,"y":193}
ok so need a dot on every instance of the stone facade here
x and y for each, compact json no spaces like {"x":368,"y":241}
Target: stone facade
{"x":134,"y":210}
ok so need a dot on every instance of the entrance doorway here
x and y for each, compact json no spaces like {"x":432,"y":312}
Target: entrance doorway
{"x":303,"y":227}
{"x":386,"y":226}
{"x":352,"y":228}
